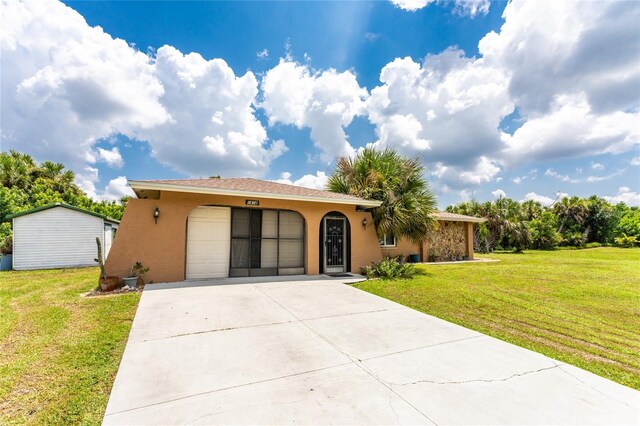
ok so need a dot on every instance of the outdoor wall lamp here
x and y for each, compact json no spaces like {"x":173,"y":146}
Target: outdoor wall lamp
{"x":156,"y":215}
{"x":364,"y":223}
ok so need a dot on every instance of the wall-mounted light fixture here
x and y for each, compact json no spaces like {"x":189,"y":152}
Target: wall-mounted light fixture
{"x":364,"y":223}
{"x":156,"y":215}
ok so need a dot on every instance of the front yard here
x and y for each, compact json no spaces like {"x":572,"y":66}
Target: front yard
{"x":59,"y":352}
{"x":578,"y":306}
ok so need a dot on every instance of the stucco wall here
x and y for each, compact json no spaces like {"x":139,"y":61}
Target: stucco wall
{"x":403,"y":248}
{"x":162,"y":246}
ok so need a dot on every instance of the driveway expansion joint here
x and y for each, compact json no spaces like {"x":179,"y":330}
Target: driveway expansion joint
{"x":355,"y":361}
{"x":155,"y":404}
{"x":215,"y":330}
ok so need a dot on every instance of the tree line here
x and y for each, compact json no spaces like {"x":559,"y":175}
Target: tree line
{"x":570,"y":221}
{"x":26,"y":184}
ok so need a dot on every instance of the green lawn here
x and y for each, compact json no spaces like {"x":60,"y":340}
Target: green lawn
{"x":578,"y":306}
{"x":59,"y":352}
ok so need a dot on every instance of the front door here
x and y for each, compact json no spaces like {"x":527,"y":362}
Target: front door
{"x":335,"y":252}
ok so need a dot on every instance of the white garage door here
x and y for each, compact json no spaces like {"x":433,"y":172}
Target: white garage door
{"x":208,"y":241}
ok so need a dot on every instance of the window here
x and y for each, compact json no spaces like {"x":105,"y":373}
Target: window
{"x":388,"y":240}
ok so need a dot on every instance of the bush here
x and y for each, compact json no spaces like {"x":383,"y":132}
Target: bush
{"x":626,"y":241}
{"x":573,"y":239}
{"x":389,"y":267}
{"x":592,"y":245}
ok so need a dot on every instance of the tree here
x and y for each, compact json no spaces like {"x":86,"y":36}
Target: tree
{"x":571,"y":211}
{"x":601,"y":220}
{"x":544,"y":234}
{"x":519,"y":235}
{"x":407,"y":202}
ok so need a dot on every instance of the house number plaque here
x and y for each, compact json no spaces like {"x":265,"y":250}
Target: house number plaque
{"x":251,"y":202}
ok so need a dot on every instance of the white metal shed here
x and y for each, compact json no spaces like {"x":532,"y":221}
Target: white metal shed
{"x":59,"y":236}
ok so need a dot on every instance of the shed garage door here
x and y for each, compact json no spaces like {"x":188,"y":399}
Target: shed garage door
{"x":208,"y":241}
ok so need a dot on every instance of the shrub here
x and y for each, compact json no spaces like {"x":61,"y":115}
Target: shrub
{"x":592,"y":245}
{"x":389,"y":267}
{"x":626,"y":240}
{"x":574,"y":239}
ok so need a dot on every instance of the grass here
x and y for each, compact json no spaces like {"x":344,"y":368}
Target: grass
{"x":581,"y":307}
{"x":59,"y":352}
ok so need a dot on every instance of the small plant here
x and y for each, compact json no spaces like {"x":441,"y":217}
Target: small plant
{"x":434,"y":255}
{"x":626,"y":241}
{"x":592,"y":245}
{"x":105,"y":283}
{"x":138,"y":271}
{"x":389,"y":267}
{"x":100,"y":260}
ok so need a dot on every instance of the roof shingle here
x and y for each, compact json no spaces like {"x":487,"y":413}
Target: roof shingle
{"x":251,"y":185}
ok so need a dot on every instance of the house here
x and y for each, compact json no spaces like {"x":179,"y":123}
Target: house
{"x":234,"y":227}
{"x":59,"y":236}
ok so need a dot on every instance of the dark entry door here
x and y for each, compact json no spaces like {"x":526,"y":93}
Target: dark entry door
{"x":335,"y":252}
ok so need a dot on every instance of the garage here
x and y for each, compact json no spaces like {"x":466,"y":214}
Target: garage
{"x":208,"y":242}
{"x":242,"y":242}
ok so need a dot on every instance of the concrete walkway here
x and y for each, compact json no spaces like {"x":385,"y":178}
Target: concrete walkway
{"x":315,"y":351}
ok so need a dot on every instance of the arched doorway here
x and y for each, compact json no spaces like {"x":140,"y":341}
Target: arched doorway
{"x":335,"y":243}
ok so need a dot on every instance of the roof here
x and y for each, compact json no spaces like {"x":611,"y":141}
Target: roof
{"x":453,"y":217}
{"x":248,"y":187}
{"x":66,"y":206}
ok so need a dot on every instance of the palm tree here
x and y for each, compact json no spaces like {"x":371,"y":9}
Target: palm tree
{"x":531,"y":209}
{"x":407,"y":202}
{"x":16,"y":169}
{"x":574,"y":208}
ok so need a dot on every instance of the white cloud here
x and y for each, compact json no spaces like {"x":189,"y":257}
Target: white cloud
{"x":461,"y":7}
{"x":635,"y":161}
{"x":263,"y":54}
{"x":80,"y":86}
{"x":571,"y":129}
{"x":325,"y":102}
{"x":457,"y":177}
{"x":317,"y":181}
{"x":65,"y":85}
{"x":111,"y":157}
{"x":86,"y":179}
{"x":597,"y":166}
{"x":213,"y":128}
{"x":116,"y":189}
{"x":545,"y":201}
{"x":625,"y":195}
{"x":589,"y":179}
{"x":499,"y":193}
{"x":446,"y":110}
{"x":517,"y":180}
{"x":411,"y":5}
{"x":471,"y":7}
{"x":570,"y":68}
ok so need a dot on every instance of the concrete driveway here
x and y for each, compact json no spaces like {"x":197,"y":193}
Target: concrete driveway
{"x":316,"y":351}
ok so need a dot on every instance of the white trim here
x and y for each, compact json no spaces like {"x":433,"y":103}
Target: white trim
{"x":141,"y":185}
{"x":465,"y":219}
{"x":385,"y":245}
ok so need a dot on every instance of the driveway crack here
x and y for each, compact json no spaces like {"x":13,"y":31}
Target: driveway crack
{"x":461,"y":382}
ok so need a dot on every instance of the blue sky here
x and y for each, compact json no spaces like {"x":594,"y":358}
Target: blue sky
{"x":527,"y":99}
